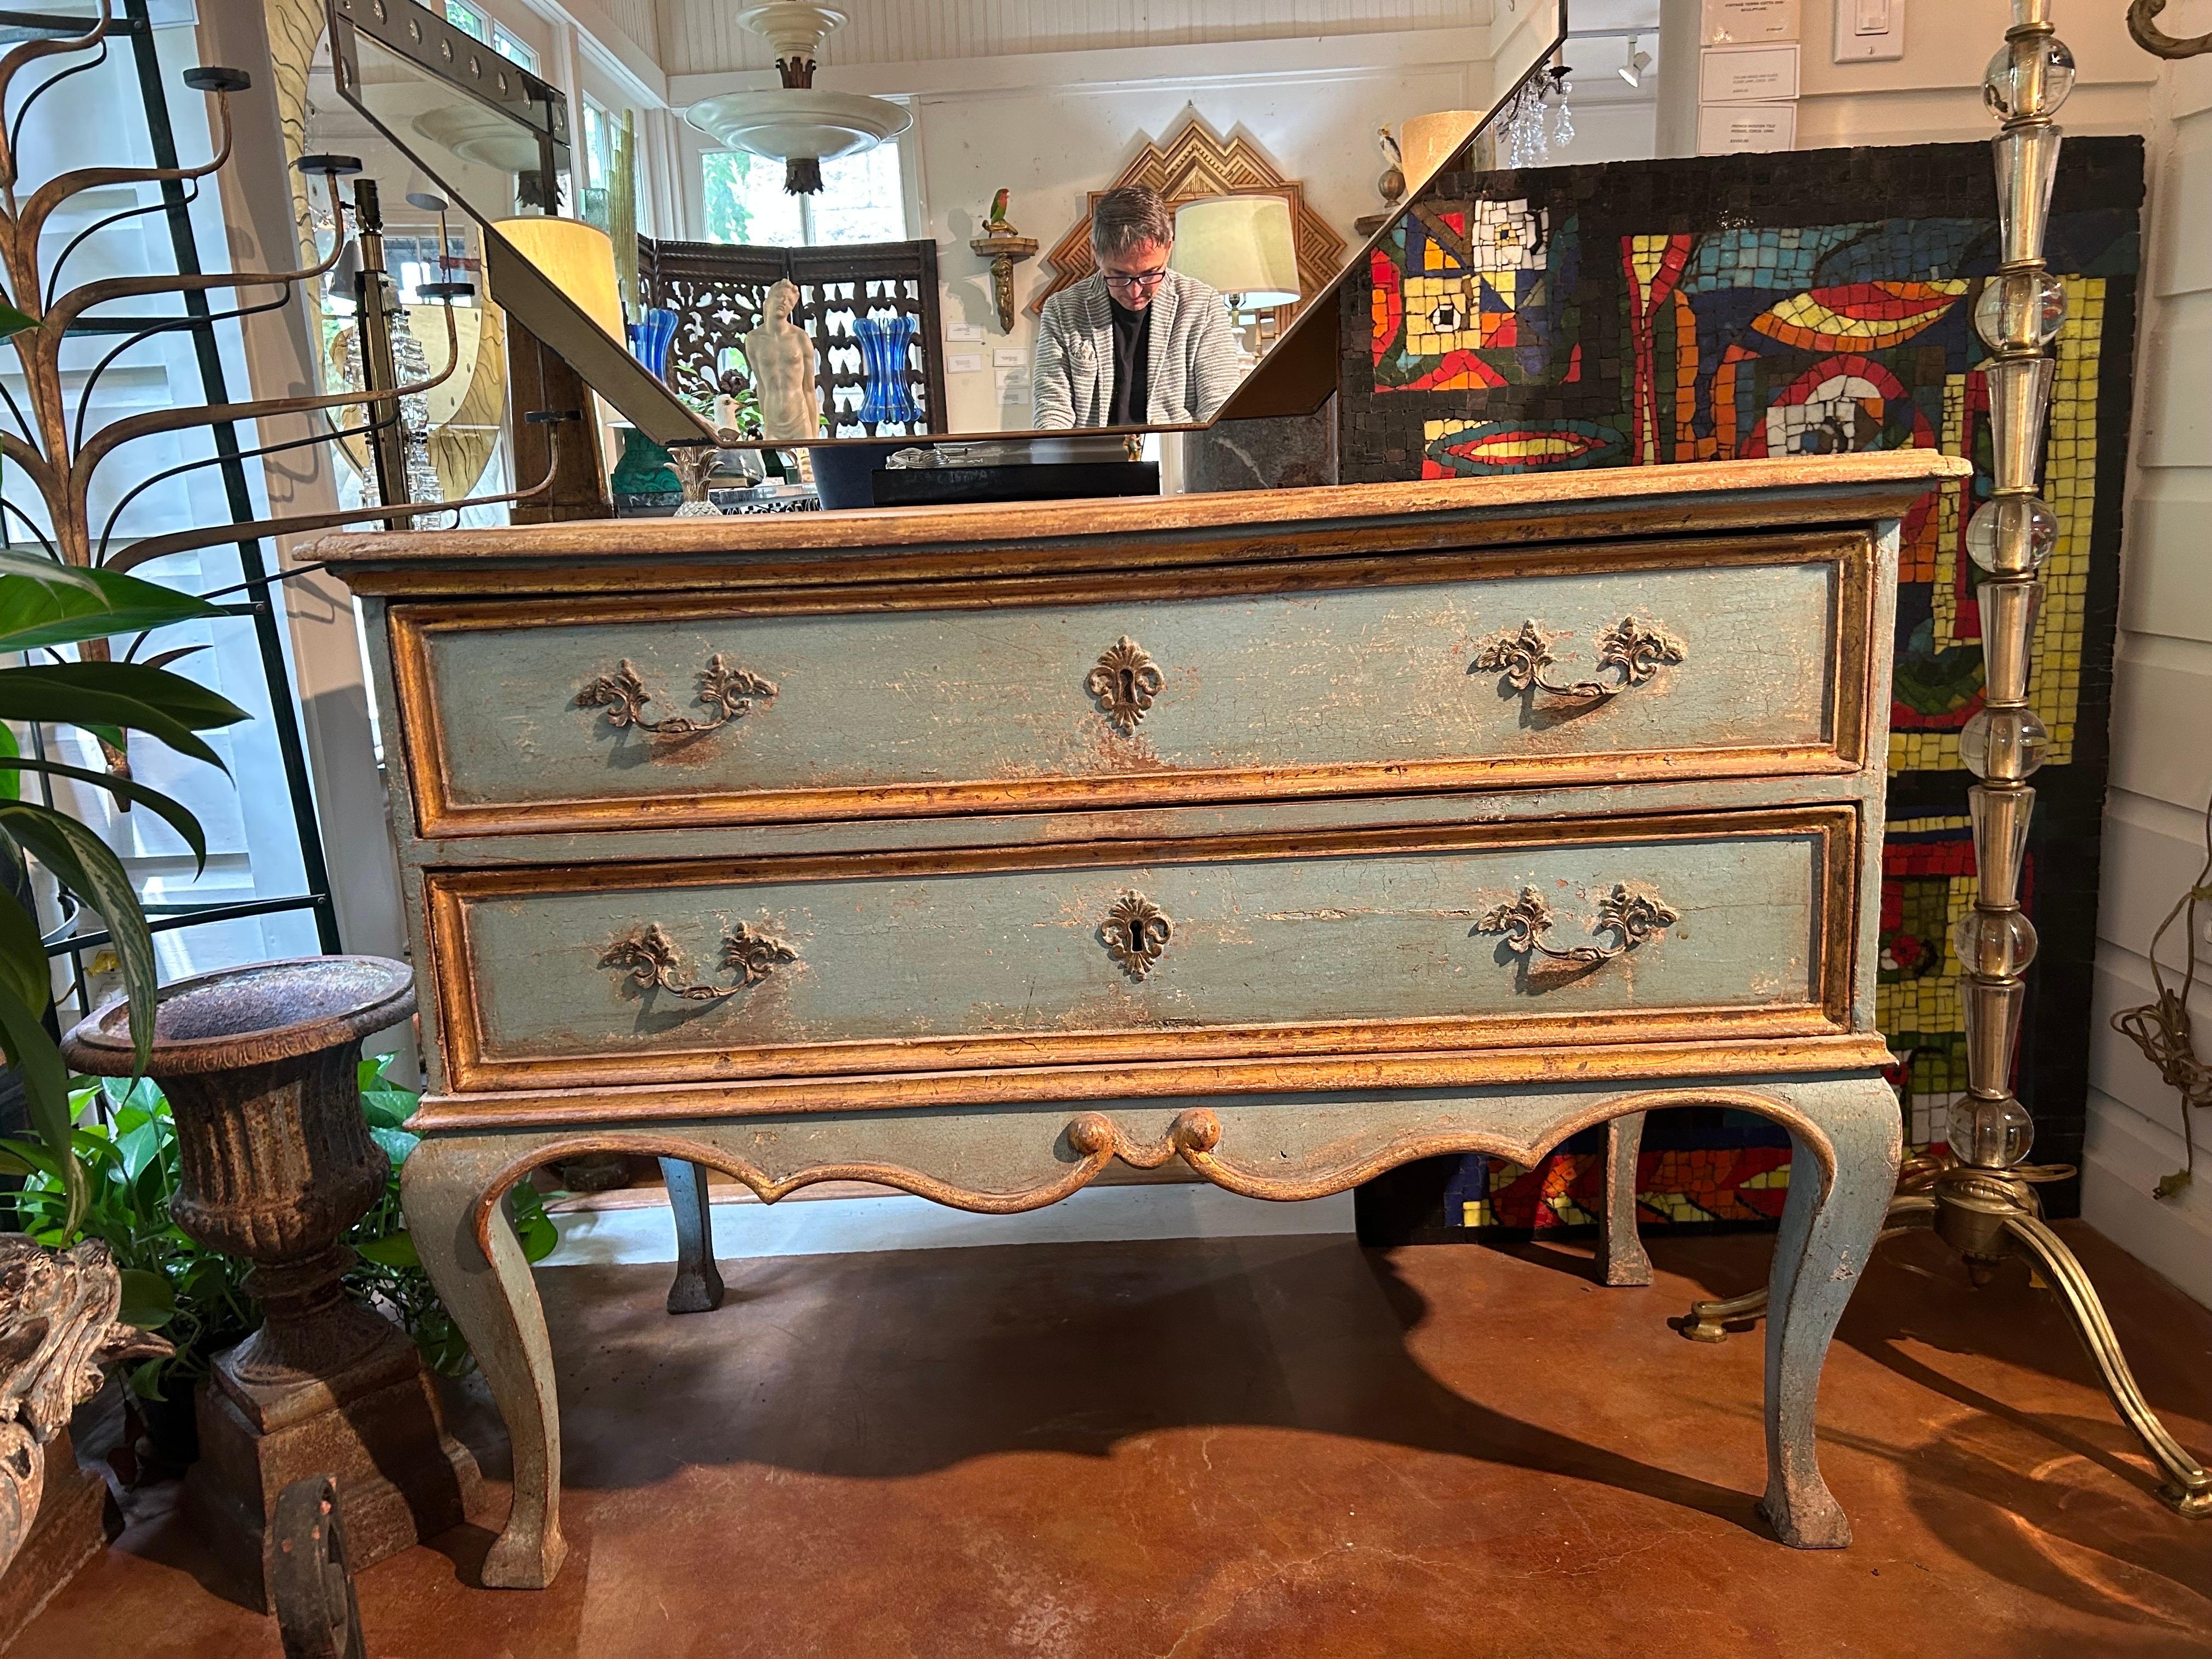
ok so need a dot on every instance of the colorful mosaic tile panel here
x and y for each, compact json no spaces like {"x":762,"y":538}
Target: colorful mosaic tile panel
{"x":1802,"y":303}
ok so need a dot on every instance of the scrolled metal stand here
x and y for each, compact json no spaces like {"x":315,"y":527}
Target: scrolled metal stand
{"x":1981,"y":1199}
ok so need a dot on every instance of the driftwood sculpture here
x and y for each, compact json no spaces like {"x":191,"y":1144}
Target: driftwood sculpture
{"x":58,"y":1328}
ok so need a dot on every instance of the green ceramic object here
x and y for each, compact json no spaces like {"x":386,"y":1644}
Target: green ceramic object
{"x":643,"y":474}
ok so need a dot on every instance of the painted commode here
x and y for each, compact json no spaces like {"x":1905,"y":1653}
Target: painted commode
{"x":1273,"y":839}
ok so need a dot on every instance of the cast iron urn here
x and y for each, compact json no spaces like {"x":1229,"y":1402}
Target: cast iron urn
{"x":275,"y":1162}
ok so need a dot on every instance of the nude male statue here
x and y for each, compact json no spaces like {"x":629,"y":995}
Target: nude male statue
{"x":781,"y":356}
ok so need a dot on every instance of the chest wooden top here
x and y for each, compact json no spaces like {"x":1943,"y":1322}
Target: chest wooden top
{"x":639,"y":557}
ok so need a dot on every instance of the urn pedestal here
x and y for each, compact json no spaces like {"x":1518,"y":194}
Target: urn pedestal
{"x":275,"y":1162}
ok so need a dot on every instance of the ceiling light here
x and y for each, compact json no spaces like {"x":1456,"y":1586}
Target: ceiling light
{"x":794,"y":124}
{"x":1638,"y":61}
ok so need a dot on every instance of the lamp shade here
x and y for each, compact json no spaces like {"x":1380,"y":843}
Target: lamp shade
{"x":577,"y":259}
{"x":1427,"y":142}
{"x":1239,"y":245}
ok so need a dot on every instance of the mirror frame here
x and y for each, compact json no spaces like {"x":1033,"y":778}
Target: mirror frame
{"x":426,"y":39}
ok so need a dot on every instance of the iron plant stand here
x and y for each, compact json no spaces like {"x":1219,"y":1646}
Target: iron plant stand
{"x":1981,"y":1198}
{"x":275,"y":1162}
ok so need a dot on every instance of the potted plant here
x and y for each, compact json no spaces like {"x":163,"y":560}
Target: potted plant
{"x":124,"y":1148}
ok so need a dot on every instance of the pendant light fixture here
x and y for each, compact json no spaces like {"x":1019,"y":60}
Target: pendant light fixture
{"x":794,"y":124}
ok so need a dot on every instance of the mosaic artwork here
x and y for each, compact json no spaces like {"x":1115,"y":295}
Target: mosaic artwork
{"x":1805,"y":303}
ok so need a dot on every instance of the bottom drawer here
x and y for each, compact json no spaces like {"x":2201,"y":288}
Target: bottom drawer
{"x":1375,"y":941}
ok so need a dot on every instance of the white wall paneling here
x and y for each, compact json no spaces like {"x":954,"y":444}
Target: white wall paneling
{"x":703,"y":36}
{"x":2162,"y":686}
{"x":1932,"y":94}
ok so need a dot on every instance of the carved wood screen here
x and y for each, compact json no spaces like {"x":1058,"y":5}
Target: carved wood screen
{"x":1192,"y":165}
{"x":715,"y":289}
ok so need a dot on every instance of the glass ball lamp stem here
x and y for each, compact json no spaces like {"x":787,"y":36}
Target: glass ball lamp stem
{"x":2019,"y":316}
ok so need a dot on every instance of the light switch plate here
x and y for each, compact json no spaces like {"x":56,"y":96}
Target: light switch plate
{"x":1869,"y":31}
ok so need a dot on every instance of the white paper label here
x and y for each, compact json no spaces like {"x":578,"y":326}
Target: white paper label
{"x":1725,"y":127}
{"x":963,"y":331}
{"x":1747,"y":75}
{"x":964,"y":363}
{"x":1740,"y":23}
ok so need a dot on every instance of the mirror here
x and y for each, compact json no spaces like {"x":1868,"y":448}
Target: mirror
{"x":940,"y":277}
{"x":470,"y":154}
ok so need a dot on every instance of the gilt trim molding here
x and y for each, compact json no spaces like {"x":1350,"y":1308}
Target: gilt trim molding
{"x":1196,"y":1136}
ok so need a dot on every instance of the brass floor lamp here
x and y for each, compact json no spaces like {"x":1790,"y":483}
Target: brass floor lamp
{"x":1981,"y":1198}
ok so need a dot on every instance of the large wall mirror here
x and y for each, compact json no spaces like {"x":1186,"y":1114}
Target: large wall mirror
{"x":882,"y":228}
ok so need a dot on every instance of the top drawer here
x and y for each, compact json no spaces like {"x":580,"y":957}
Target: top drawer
{"x":1430,"y":672}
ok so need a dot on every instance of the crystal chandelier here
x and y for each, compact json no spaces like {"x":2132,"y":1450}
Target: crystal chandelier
{"x":1535,"y":120}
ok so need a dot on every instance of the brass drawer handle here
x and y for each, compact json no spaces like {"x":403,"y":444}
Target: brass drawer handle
{"x":1135,"y":931}
{"x":1631,"y":918}
{"x":652,"y":960}
{"x":1630,"y":650}
{"x":729,"y":690}
{"x":1125,"y":683}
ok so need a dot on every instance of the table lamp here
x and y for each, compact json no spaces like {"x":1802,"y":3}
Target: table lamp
{"x":1241,"y":247}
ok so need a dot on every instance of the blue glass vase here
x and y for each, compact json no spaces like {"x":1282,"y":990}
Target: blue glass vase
{"x":650,"y":338}
{"x":883,"y":341}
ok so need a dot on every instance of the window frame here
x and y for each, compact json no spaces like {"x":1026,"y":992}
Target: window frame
{"x":910,"y":208}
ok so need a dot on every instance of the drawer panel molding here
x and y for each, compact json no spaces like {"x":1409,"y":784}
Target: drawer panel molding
{"x":1435,"y":671}
{"x":1381,"y":940}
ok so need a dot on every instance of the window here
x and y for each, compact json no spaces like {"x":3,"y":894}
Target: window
{"x":515,"y":50}
{"x":471,"y":21}
{"x":862,"y":199}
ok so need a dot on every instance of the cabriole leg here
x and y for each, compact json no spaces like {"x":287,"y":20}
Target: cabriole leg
{"x":698,"y":1285}
{"x":1619,"y":1250}
{"x":1818,"y":1259}
{"x":495,"y":1304}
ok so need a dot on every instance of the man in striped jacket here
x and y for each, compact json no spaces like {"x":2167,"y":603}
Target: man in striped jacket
{"x":1133,"y":343}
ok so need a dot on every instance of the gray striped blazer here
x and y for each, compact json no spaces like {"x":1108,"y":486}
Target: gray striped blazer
{"x":1192,"y":368}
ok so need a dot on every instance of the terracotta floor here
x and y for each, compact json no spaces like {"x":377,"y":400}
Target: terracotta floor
{"x":1287,"y":1446}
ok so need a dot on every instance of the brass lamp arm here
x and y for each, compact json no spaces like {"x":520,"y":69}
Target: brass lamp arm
{"x":183,"y":541}
{"x":112,"y":437}
{"x":65,"y":310}
{"x":2155,"y":41}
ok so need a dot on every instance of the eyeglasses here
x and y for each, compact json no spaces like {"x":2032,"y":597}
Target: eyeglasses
{"x":1138,"y":279}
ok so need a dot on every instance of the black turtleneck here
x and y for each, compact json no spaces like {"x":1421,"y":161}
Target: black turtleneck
{"x":1133,"y":354}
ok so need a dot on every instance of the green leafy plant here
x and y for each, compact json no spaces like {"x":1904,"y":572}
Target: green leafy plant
{"x":389,"y":1270}
{"x":125,"y":1145}
{"x":124,"y":1153}
{"x":46,"y":605}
